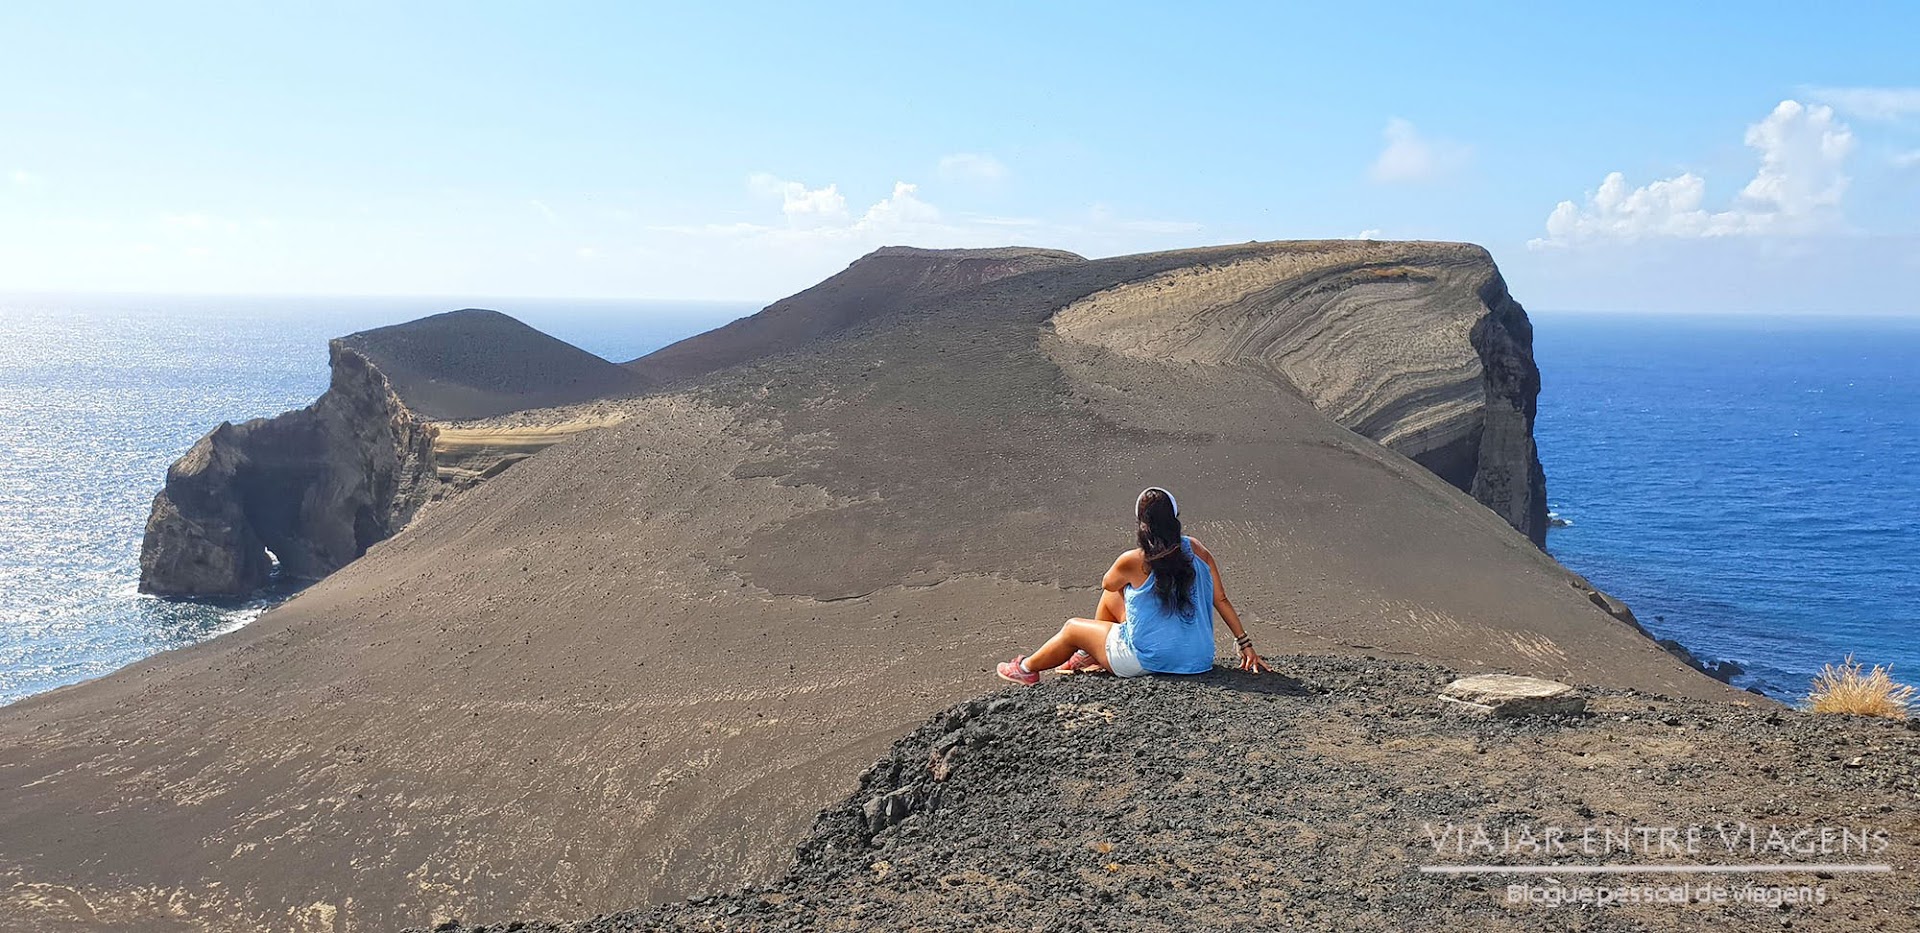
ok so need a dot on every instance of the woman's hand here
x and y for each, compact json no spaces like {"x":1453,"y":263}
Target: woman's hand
{"x":1251,"y":663}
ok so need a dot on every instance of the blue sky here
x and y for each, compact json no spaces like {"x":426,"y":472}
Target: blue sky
{"x":1769,"y":155}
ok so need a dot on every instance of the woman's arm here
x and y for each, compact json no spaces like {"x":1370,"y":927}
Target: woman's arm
{"x":1249,"y":659}
{"x":1127,"y":570}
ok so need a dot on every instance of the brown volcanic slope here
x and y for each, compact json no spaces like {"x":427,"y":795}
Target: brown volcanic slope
{"x":635,"y":665}
{"x":880,"y":283}
{"x":478,"y":364}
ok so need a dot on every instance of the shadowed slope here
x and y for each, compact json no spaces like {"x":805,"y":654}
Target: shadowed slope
{"x":635,"y":665}
{"x":478,"y":364}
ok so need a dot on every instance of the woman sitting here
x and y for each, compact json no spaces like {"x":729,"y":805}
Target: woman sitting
{"x":1154,"y":615}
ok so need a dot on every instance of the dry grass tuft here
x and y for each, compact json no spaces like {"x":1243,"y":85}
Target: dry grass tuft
{"x":1850,"y":688}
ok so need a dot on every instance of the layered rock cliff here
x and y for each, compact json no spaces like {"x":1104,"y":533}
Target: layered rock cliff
{"x":316,"y":487}
{"x":1415,"y":345}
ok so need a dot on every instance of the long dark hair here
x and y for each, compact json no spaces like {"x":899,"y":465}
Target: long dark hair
{"x":1166,"y":551}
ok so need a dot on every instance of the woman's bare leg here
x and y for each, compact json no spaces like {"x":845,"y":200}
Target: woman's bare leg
{"x":1112,"y":608}
{"x":1089,"y":635}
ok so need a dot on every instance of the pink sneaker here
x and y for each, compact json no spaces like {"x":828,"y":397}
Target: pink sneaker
{"x":1010,"y":671}
{"x":1081,"y":661}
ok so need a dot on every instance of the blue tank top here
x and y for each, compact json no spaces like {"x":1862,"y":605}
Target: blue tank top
{"x":1167,"y":642}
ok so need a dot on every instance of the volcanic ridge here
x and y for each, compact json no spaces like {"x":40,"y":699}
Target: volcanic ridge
{"x":633,"y":666}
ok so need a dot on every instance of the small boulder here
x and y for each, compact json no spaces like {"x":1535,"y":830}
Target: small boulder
{"x":890,"y":808}
{"x":1510,"y":695}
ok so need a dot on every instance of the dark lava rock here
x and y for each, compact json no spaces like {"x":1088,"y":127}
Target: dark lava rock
{"x":317,"y":487}
{"x":1228,"y":801}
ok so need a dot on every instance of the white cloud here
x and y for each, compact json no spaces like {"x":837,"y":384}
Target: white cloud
{"x":1411,"y":157}
{"x":784,"y":252}
{"x":821,"y":213}
{"x":900,"y":210}
{"x":1909,"y":159}
{"x":1870,"y":103}
{"x":540,"y":207}
{"x":802,"y":206}
{"x":1368,"y":234}
{"x":25,"y":179}
{"x":1803,"y":152}
{"x":1670,"y":207}
{"x":588,"y":253}
{"x":973,"y":167}
{"x":1798,"y":188}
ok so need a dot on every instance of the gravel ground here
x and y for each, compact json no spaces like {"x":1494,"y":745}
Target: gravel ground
{"x":1304,"y":801}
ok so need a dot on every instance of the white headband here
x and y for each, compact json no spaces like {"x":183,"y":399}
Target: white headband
{"x":1143,"y":497}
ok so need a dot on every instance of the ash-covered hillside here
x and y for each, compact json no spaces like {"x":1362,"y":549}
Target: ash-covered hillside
{"x":635,"y":665}
{"x":476,"y":363}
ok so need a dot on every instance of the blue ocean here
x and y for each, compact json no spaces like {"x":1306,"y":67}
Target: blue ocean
{"x":1745,"y":484}
{"x":1742,"y":483}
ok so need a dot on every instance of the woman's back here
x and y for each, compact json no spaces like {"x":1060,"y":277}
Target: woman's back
{"x":1167,"y":641}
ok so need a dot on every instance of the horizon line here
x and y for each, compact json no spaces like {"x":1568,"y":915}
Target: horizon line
{"x":410,"y":296}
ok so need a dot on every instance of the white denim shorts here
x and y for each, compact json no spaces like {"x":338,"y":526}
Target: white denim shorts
{"x":1120,"y":657}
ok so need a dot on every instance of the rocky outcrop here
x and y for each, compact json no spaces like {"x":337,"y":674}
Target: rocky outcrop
{"x":1511,"y":695}
{"x":316,"y":487}
{"x":1506,"y":473}
{"x":1721,"y":670}
{"x":1415,"y":345}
